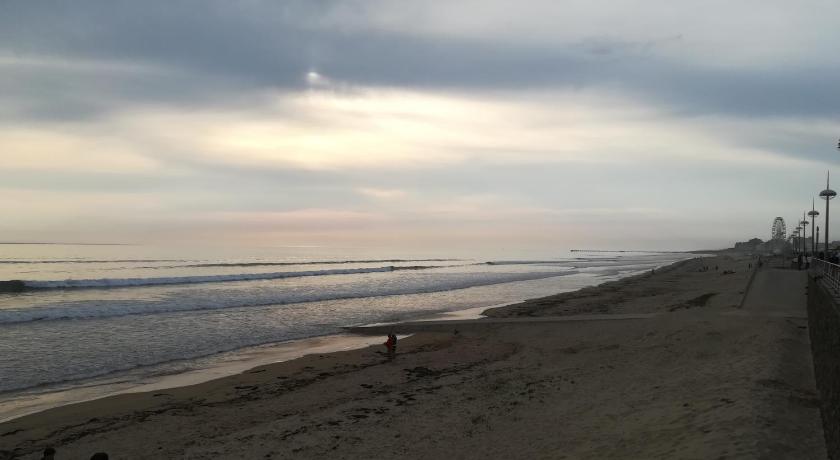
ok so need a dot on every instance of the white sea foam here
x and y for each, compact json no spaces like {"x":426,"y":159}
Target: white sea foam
{"x":129,"y":282}
{"x":279,"y":296}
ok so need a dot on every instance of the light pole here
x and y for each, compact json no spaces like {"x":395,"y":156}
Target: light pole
{"x":827,"y":195}
{"x":813,"y":213}
{"x":804,"y":224}
{"x":796,"y":239}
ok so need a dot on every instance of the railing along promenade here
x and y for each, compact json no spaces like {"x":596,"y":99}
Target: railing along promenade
{"x":824,"y":329}
{"x":828,"y":273}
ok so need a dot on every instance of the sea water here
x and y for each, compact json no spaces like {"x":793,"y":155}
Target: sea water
{"x":84,"y":312}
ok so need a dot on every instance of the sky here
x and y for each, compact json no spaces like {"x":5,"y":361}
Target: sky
{"x":461,"y":124}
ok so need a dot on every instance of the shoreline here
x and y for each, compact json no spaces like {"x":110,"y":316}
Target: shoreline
{"x":32,"y":402}
{"x":29,"y":402}
{"x":529,"y":307}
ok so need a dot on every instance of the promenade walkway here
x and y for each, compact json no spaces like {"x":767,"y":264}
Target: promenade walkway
{"x":777,"y":298}
{"x":778,"y":292}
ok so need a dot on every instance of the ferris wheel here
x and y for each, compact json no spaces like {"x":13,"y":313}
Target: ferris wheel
{"x":778,"y":232}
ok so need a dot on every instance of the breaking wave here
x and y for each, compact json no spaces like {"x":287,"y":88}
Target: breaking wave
{"x":88,"y":261}
{"x":197,"y":263}
{"x":217,"y":301}
{"x":323,"y":262}
{"x":23,"y":285}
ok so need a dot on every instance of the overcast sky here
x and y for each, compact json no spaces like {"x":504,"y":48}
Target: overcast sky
{"x":481,"y":124}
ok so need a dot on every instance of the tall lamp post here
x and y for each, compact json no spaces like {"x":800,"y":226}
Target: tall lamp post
{"x":813,"y":213}
{"x":804,"y":224}
{"x":796,"y":239}
{"x":827,"y":195}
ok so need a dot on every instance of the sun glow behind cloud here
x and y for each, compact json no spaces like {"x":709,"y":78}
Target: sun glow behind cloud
{"x":375,"y":129}
{"x":382,"y":129}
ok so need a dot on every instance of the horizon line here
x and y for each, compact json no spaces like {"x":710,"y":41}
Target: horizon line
{"x":67,"y":244}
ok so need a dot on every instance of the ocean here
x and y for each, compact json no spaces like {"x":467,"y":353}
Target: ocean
{"x":81,"y":313}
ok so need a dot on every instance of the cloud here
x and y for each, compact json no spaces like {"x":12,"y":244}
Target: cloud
{"x":695,"y":60}
{"x":306,"y":218}
{"x":69,"y":151}
{"x":382,"y":193}
{"x":548,"y":117}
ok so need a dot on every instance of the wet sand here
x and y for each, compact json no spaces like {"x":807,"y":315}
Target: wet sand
{"x":226,"y":364}
{"x":233,"y":363}
{"x":693,"y":376}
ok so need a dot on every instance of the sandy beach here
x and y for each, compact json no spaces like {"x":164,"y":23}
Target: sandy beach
{"x":662,"y":365}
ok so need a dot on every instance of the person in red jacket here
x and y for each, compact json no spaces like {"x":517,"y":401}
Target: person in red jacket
{"x":391,"y":345}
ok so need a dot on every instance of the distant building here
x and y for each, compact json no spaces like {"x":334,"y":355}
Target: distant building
{"x":749,"y":246}
{"x":798,"y":242}
{"x":833,"y":245}
{"x":756,"y":246}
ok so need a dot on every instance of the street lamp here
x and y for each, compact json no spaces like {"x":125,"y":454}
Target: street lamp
{"x":813,"y":213}
{"x":804,"y":224}
{"x":827,"y":195}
